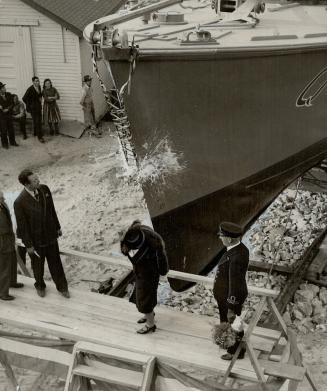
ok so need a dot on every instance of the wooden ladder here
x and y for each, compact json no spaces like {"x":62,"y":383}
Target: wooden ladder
{"x":90,"y":362}
{"x":290,"y":367}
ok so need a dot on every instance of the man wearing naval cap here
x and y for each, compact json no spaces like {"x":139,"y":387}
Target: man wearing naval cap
{"x":230,"y":288}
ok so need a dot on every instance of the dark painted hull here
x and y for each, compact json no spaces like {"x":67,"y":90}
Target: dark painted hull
{"x":234,"y":118}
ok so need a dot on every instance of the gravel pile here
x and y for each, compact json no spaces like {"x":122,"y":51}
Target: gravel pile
{"x":308,"y":217}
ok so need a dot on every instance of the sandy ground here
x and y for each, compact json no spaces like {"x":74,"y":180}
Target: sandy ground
{"x":94,"y":202}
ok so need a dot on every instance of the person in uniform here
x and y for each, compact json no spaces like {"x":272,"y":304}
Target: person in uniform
{"x":146,"y":250}
{"x":8,"y":260}
{"x":38,"y":227}
{"x":230,"y":287}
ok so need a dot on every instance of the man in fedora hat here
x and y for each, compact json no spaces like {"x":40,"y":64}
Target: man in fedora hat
{"x":146,"y":250}
{"x":88,"y":104}
{"x":230,"y":288}
{"x":6,"y":125}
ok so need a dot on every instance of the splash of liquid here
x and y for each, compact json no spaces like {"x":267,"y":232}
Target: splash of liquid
{"x":160,"y":163}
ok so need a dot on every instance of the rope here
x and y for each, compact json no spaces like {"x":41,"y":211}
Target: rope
{"x":117,"y":109}
{"x":285,"y":229}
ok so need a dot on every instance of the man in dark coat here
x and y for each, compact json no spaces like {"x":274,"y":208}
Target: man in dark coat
{"x":6,"y":125}
{"x":33,"y":102}
{"x":8,"y":260}
{"x":38,"y":227}
{"x":146,"y":250}
{"x":230,"y":288}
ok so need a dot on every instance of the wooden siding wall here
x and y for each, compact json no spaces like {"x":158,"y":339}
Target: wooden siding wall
{"x":56,"y":55}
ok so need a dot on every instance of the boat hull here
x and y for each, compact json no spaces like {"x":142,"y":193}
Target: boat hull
{"x":234,"y":120}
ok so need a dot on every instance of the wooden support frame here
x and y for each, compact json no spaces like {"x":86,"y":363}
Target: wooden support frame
{"x":9,"y":372}
{"x":291,"y":349}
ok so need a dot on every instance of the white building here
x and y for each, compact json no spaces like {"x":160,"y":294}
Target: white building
{"x":44,"y":38}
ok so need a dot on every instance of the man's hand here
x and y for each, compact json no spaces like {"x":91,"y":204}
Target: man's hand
{"x":30,"y":250}
{"x":124,"y":249}
{"x":59,"y":232}
{"x":5,"y":110}
{"x":231,"y":316}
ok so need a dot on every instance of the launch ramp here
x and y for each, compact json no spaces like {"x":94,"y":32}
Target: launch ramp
{"x":182,"y":344}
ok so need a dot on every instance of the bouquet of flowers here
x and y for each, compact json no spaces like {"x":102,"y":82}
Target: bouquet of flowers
{"x":224,"y":335}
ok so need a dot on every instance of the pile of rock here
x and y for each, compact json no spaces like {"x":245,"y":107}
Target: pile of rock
{"x":268,"y":239}
{"x":199,"y":299}
{"x":308,"y":311}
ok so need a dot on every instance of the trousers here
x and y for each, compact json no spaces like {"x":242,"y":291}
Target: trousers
{"x":51,"y":254}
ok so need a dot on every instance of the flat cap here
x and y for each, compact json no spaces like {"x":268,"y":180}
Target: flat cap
{"x":226,"y":228}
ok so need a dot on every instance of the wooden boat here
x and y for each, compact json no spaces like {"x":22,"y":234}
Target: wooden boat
{"x":240,"y":98}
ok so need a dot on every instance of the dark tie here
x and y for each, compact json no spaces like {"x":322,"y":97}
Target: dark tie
{"x":36,"y":195}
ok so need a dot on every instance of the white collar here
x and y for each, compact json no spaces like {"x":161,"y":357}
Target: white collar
{"x":234,"y":245}
{"x":31,"y":192}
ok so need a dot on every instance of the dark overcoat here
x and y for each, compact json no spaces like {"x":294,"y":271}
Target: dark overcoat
{"x":37,"y":221}
{"x":230,"y":282}
{"x":6,"y":103}
{"x":33,"y":100}
{"x":8,"y":262}
{"x":7,"y":236}
{"x":149,"y":262}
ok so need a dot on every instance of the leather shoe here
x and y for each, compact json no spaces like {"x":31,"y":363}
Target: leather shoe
{"x":40,"y":292}
{"x":147,"y":329}
{"x":229,"y":356}
{"x":15,"y":145}
{"x":7,"y":297}
{"x":42,"y":140}
{"x":65,"y":294}
{"x":17,"y":285}
{"x":143,"y":319}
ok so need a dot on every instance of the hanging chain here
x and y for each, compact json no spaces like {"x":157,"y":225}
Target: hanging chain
{"x":116,"y":105}
{"x":284,"y":231}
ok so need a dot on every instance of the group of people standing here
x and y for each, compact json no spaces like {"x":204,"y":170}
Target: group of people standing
{"x":146,"y":251}
{"x":38,"y":228}
{"x":13,"y":110}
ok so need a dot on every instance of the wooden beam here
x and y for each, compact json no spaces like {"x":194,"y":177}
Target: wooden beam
{"x":19,"y":22}
{"x":45,"y":360}
{"x":296,"y":278}
{"x":172,"y":273}
{"x":8,"y":370}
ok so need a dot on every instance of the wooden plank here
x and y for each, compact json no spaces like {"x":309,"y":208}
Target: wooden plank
{"x":110,"y":374}
{"x":174,"y":321}
{"x":172,"y":273}
{"x":122,"y":311}
{"x":168,"y":347}
{"x":255,"y":363}
{"x":258,"y":265}
{"x":109,"y":352}
{"x":148,"y":375}
{"x":46,"y":354}
{"x":284,"y":370}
